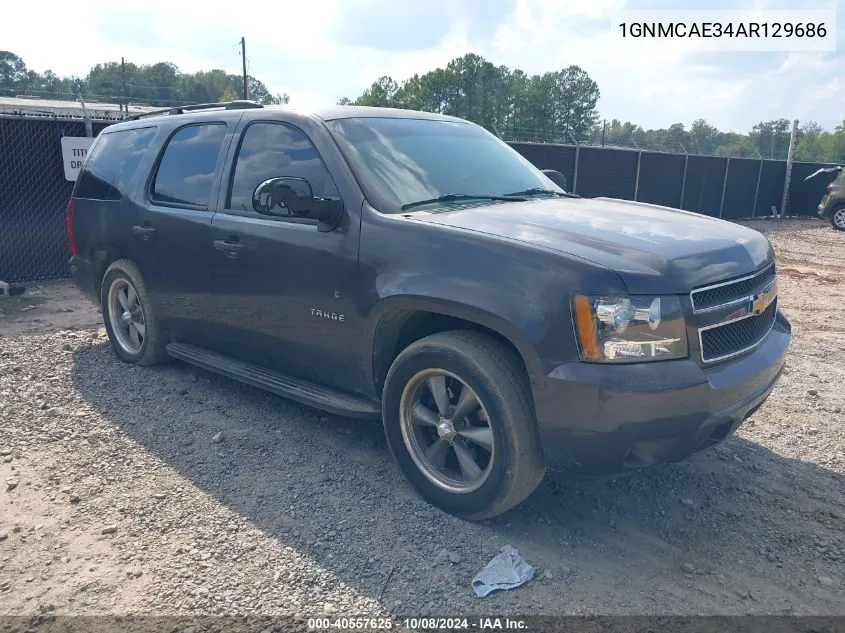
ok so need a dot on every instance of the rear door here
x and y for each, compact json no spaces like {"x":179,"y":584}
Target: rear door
{"x":172,"y":227}
{"x":103,"y":209}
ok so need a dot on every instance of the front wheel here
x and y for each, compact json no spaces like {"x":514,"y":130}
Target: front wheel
{"x":459,"y":419}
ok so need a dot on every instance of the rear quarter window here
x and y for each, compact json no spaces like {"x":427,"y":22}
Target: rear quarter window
{"x":112,"y":163}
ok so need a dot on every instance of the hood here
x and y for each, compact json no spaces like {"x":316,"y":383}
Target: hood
{"x":653,"y":249}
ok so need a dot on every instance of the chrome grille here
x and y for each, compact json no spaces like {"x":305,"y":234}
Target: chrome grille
{"x":728,"y":293}
{"x":724,"y":340}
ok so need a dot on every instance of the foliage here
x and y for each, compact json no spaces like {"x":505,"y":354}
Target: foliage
{"x":155,"y":84}
{"x":552,"y":107}
{"x":555,"y":106}
{"x":767,"y":139}
{"x":496,"y":97}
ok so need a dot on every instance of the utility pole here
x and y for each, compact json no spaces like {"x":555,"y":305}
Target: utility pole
{"x":603,"y":131}
{"x":243,"y":59}
{"x":123,"y":80}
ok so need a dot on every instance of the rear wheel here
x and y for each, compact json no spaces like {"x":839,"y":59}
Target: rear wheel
{"x":133,"y":330}
{"x":837,"y":218}
{"x":459,"y":419}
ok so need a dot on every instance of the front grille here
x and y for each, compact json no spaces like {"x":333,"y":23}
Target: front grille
{"x":719,"y":295}
{"x":735,"y":337}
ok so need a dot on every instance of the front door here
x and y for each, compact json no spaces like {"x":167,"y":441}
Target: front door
{"x":282,"y":288}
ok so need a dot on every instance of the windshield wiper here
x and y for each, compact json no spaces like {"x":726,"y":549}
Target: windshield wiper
{"x":539,"y":191}
{"x":453,"y":197}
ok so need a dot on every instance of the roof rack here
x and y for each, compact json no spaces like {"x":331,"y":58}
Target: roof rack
{"x":226,"y":105}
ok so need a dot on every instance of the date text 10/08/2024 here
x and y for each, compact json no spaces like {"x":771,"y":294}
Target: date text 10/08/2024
{"x":419,"y":624}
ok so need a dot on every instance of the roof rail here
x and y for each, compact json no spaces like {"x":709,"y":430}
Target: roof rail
{"x":226,"y":105}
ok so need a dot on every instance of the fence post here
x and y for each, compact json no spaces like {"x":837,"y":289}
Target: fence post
{"x":724,"y":186}
{"x":89,"y":129}
{"x":577,"y":156}
{"x":639,"y":160}
{"x":637,"y":181}
{"x":684,"y":178}
{"x":788,"y":175}
{"x":757,"y":189}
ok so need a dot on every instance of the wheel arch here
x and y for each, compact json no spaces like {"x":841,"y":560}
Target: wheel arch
{"x":400,"y":322}
{"x":102,"y":256}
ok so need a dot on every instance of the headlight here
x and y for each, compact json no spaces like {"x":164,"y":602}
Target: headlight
{"x":619,"y":329}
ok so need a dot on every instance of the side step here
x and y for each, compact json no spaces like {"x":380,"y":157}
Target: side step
{"x":300,"y":390}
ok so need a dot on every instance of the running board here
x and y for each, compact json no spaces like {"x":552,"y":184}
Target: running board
{"x":293,"y":388}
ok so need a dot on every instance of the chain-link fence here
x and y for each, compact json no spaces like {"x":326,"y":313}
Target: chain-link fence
{"x":730,"y":188}
{"x":34,"y":192}
{"x":33,"y":196}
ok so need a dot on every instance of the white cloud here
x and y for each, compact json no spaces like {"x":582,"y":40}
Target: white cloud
{"x":291,"y":47}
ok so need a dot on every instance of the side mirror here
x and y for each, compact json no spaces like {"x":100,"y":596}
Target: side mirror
{"x":294,"y":198}
{"x":556,"y":177}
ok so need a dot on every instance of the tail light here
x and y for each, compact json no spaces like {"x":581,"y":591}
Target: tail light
{"x":829,"y":189}
{"x":71,"y":241}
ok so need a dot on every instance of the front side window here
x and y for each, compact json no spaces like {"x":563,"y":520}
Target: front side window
{"x":276,"y":150}
{"x":112,"y":163}
{"x":187,"y":168}
{"x":399,"y":161}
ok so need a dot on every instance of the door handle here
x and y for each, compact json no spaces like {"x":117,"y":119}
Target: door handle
{"x":231,"y":249}
{"x":146,"y":232}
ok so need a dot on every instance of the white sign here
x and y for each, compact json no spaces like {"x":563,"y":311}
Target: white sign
{"x":74,"y":149}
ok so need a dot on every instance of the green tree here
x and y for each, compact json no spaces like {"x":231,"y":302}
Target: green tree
{"x":771,"y":138}
{"x":496,"y":97}
{"x":811,"y":147}
{"x":703,"y":137}
{"x":381,"y":93}
{"x":156,"y":84}
{"x":13,"y":73}
{"x":229,"y":95}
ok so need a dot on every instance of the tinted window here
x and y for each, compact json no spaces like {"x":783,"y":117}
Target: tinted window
{"x":186,"y":170}
{"x":112,"y":163}
{"x":274,"y":150}
{"x":398,"y":161}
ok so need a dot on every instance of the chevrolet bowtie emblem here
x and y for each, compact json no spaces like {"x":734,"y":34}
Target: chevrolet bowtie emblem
{"x":764,"y":299}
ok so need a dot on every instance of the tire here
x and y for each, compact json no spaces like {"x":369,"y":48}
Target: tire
{"x":504,"y":418}
{"x":141,"y":341}
{"x":837,"y":218}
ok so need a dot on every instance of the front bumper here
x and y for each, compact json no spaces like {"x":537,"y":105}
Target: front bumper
{"x":597,"y":418}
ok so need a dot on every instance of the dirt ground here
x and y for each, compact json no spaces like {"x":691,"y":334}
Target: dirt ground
{"x":172,"y":490}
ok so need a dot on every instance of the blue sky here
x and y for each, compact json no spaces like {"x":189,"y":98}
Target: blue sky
{"x":320,"y":50}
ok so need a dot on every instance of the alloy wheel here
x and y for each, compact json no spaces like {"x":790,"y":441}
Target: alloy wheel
{"x":447,"y":431}
{"x":127,"y":316}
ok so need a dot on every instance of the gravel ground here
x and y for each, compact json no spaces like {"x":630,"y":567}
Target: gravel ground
{"x":175,"y":491}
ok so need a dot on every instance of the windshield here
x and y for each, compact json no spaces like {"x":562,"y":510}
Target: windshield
{"x":404,"y":161}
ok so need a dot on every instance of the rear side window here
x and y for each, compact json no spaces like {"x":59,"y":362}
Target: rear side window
{"x":186,"y":170}
{"x":275,"y":150}
{"x":112,"y":163}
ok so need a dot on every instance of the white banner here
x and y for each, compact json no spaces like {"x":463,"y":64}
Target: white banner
{"x":74,"y":150}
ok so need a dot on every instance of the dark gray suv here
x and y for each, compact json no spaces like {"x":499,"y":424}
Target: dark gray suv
{"x":413,"y":267}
